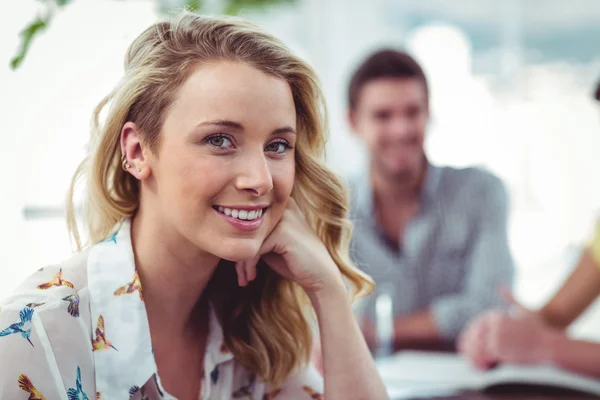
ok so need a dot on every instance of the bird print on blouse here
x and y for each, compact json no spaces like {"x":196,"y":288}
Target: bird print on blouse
{"x":117,"y":349}
{"x":77,"y":393}
{"x":56,"y":282}
{"x":149,"y":390}
{"x":26,"y":316}
{"x":214,"y":375}
{"x":313,"y":395}
{"x":111,"y":238}
{"x":272,"y":395}
{"x":26,"y":385}
{"x":131,"y":287}
{"x":133,"y":390}
{"x":100,"y":342}
{"x":73,"y":307}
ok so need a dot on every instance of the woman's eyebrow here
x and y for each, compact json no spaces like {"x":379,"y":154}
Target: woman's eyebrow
{"x":238,"y":126}
{"x":285,"y":129}
{"x":223,"y":123}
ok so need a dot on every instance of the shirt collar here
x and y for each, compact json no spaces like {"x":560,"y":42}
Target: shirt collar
{"x":432,"y":182}
{"x":123,"y":354}
{"x":363,"y":193}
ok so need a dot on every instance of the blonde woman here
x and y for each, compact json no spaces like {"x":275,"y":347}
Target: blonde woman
{"x":215,"y":231}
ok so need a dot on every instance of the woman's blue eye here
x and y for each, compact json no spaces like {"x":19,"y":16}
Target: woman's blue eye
{"x":219,"y":141}
{"x":278,"y":147}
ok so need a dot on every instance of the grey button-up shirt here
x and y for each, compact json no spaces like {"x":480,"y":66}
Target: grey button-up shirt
{"x":454,"y":253}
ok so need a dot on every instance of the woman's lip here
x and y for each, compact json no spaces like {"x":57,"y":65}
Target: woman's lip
{"x":241,"y":224}
{"x":247,"y":208}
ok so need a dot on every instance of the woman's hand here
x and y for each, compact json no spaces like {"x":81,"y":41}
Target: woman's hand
{"x":295,"y":252}
{"x":497,"y":337}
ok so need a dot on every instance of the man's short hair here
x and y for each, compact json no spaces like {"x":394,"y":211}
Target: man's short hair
{"x":385,"y":63}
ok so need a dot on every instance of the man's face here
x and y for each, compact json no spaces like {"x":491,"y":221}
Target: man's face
{"x":391,"y":116}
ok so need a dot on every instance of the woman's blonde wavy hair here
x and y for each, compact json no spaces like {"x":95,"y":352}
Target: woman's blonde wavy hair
{"x":267,"y":325}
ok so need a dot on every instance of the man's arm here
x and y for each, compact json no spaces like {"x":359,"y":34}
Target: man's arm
{"x":490,"y":265}
{"x":416,"y":329}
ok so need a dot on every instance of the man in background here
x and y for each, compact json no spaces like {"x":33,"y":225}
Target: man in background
{"x":435,"y":237}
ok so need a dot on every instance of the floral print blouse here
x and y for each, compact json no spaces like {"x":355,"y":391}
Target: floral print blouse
{"x":80,"y":331}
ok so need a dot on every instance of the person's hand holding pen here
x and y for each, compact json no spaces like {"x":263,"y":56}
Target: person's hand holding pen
{"x":517,"y":336}
{"x":516,"y":309}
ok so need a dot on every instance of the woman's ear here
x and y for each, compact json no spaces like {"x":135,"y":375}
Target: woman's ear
{"x":132,"y":148}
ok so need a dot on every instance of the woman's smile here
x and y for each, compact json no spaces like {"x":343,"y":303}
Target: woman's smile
{"x":246,"y":218}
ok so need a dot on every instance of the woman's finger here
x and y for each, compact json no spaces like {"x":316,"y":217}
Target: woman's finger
{"x":480,"y":351}
{"x":241,"y":273}
{"x":271,"y":252}
{"x":250,"y":267}
{"x":474,"y":343}
{"x":470,"y":333}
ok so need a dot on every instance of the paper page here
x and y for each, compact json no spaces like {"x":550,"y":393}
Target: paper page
{"x":542,"y":375}
{"x":430,"y":369}
{"x":404,"y":391}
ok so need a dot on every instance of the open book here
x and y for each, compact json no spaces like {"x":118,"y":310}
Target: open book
{"x":412,"y":372}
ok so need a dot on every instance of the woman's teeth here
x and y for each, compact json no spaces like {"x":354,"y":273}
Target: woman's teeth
{"x":241,"y":214}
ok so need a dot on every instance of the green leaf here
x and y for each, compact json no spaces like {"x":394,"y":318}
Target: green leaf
{"x":232,"y":7}
{"x":235,"y":7}
{"x":27,"y":35}
{"x":193,"y":5}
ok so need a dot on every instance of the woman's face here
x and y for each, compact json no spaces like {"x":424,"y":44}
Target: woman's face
{"x":225,"y":166}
